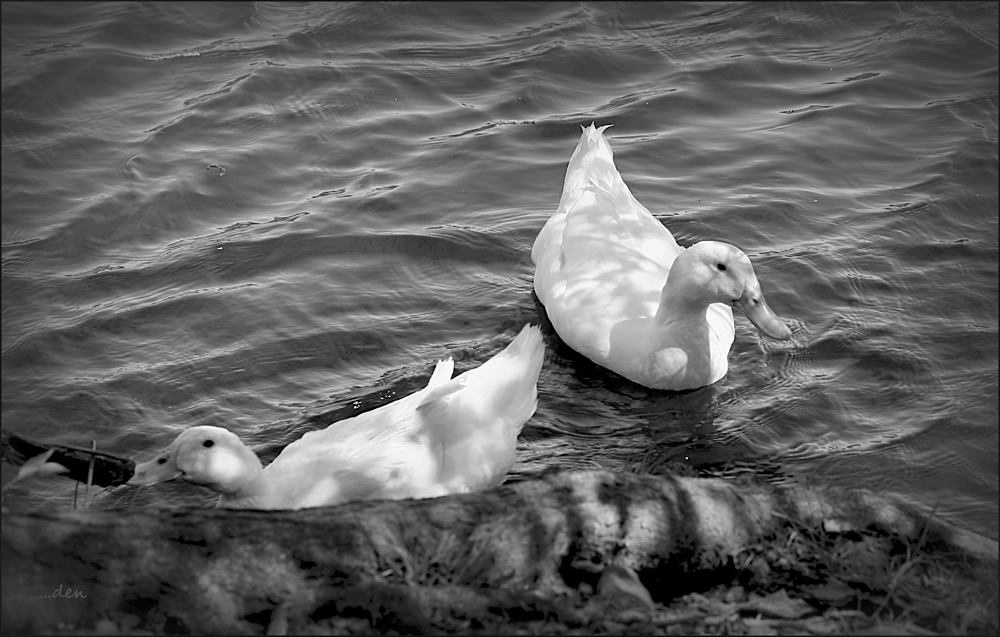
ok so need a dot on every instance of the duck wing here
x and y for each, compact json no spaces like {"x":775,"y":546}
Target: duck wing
{"x":602,"y":257}
{"x":382,"y":453}
{"x":455,"y":435}
{"x":473,"y":421}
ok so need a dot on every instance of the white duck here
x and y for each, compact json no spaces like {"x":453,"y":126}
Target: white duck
{"x":619,"y":290}
{"x":454,"y":436}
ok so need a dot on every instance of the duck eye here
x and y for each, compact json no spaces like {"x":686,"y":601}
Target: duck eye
{"x":161,"y":460}
{"x":208,"y":443}
{"x":721,"y":266}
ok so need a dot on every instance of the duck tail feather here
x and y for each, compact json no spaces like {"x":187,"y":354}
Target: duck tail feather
{"x":476,"y":430}
{"x":442,"y":372}
{"x":512,"y":376}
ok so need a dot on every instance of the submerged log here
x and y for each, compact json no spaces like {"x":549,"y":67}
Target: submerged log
{"x":109,"y":469}
{"x":530,"y":543}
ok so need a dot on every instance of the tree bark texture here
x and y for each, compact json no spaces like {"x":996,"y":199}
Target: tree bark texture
{"x":222,"y":571}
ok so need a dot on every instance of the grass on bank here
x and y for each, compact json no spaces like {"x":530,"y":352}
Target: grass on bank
{"x":802,"y":580}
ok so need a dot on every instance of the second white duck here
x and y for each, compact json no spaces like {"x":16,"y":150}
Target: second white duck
{"x":619,"y":289}
{"x":454,"y":436}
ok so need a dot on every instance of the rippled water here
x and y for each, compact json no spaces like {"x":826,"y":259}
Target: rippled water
{"x":270,"y":216}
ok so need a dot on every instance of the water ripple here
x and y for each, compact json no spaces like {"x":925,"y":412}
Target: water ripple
{"x":272,"y":216}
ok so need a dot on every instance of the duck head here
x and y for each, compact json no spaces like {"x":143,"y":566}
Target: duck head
{"x":210,"y":456}
{"x":714,"y":272}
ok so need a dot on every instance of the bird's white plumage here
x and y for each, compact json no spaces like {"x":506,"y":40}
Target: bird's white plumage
{"x":456,"y":435}
{"x":602,"y":264}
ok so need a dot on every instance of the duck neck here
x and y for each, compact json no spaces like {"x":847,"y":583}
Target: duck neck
{"x":250,"y":489}
{"x":682,"y":323}
{"x":678,"y":305}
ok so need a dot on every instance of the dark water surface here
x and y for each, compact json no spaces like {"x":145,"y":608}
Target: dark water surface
{"x":270,"y":216}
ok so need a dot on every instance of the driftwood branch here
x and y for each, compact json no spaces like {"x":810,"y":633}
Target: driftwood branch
{"x":531,"y":543}
{"x":108,"y":469}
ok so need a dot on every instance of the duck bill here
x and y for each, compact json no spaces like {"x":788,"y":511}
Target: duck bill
{"x":153,"y":473}
{"x":755,"y":307}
